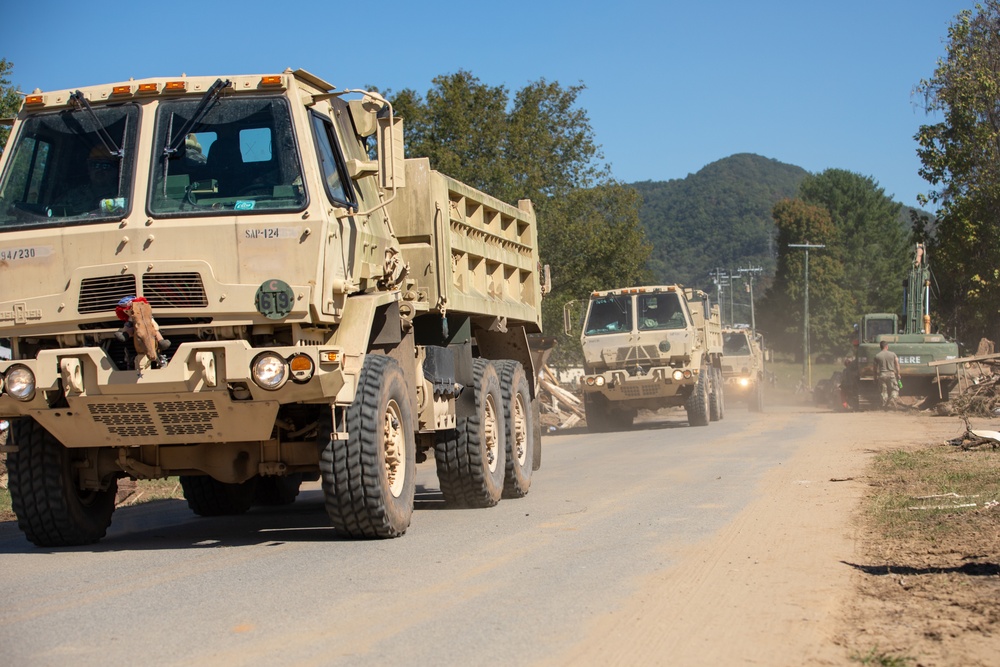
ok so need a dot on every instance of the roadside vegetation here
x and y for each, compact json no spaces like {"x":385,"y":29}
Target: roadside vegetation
{"x":929,"y":539}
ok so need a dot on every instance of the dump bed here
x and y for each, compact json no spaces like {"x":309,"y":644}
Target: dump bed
{"x":469,"y":252}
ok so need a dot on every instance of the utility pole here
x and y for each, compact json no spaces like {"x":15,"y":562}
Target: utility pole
{"x":751,"y":273}
{"x":722,"y":281}
{"x":806,"y":368}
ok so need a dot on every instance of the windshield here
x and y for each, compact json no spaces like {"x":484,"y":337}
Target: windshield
{"x":660,"y":311}
{"x":240,"y":155}
{"x":64,"y":171}
{"x":735,"y":344}
{"x":878,"y":328}
{"x":609,"y":314}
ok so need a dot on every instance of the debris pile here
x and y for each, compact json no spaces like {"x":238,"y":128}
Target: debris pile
{"x":561,"y":408}
{"x":973,"y":438}
{"x":978,"y":390}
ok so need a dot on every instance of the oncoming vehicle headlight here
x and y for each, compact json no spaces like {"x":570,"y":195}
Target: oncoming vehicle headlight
{"x":678,"y":375}
{"x":269,"y":371}
{"x":744,"y":382}
{"x":599,"y":380}
{"x":19,"y":383}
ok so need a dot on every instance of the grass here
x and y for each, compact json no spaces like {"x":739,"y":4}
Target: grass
{"x":876,"y":657}
{"x":936,"y":493}
{"x":145,"y":491}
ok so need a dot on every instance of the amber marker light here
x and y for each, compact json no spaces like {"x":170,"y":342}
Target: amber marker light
{"x":34,"y":99}
{"x":121,"y":90}
{"x":149,"y":87}
{"x":176,"y":85}
{"x":273,"y":80}
{"x":302,"y":367}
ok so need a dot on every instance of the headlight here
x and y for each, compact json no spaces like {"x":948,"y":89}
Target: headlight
{"x":20,"y":383}
{"x":599,"y":380}
{"x":678,"y":375}
{"x":269,"y":371}
{"x":744,"y":382}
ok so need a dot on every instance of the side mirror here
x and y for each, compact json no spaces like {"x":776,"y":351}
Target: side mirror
{"x":392,"y":171}
{"x":568,"y":316}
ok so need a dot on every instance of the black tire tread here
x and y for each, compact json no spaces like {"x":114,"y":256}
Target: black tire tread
{"x":47,"y":512}
{"x":207,"y":496}
{"x":517,"y":478}
{"x":463,"y":474}
{"x":352,"y":471}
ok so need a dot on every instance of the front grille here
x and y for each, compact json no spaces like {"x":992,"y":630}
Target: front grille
{"x":174,"y":290}
{"x":166,"y":418}
{"x":103,"y":294}
{"x":162,"y":290}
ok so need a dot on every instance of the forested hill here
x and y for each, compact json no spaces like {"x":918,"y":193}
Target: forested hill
{"x":717,"y":217}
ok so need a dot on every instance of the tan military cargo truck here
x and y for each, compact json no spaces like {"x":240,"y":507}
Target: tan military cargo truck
{"x":241,"y":281}
{"x":651,"y":348}
{"x":743,"y":367}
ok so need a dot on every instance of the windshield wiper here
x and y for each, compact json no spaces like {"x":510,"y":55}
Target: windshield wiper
{"x":81,"y":102}
{"x":209,"y":98}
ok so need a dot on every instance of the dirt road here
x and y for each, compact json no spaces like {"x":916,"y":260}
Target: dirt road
{"x":786,"y":582}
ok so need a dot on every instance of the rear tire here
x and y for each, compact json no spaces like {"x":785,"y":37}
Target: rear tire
{"x":368,"y":481}
{"x":51,"y":509}
{"x":715,"y":407}
{"x":207,"y":496}
{"x":519,"y":428}
{"x":275,"y":491}
{"x":697,"y":404}
{"x":471,"y":459}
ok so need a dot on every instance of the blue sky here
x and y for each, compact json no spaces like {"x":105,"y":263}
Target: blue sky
{"x":671,"y":86}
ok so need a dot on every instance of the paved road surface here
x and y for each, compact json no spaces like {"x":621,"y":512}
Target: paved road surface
{"x":513,"y":585}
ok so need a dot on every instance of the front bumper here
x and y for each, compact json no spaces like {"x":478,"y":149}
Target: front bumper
{"x":204,"y":394}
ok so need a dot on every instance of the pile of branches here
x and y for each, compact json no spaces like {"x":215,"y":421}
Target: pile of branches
{"x":978,"y":394}
{"x":972,"y":439}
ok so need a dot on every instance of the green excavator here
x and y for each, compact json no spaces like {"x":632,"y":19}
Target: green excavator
{"x":913,"y":343}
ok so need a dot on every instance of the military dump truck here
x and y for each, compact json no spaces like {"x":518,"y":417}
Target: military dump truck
{"x":651,"y":348}
{"x":913,"y":343}
{"x":242,"y":282}
{"x":743,"y":366}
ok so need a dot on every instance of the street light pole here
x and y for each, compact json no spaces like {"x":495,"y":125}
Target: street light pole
{"x":806,"y":368}
{"x":751,"y":273}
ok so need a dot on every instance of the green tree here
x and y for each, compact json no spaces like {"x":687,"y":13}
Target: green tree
{"x":830,"y":309}
{"x":537,"y":145}
{"x":10,"y":101}
{"x":960,"y":157}
{"x":869,"y":240}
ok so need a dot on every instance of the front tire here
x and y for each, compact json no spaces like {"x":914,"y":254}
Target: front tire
{"x":368,"y":481}
{"x":52,"y":510}
{"x":697,"y":404}
{"x":471,"y":459}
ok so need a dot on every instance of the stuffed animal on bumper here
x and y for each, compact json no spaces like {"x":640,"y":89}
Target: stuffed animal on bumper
{"x":142,"y":329}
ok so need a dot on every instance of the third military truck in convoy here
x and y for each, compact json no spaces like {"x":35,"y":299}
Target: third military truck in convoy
{"x":646,"y":348}
{"x":743,"y":366}
{"x":240,"y":281}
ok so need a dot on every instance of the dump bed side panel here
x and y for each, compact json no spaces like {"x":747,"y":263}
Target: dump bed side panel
{"x":470,"y":252}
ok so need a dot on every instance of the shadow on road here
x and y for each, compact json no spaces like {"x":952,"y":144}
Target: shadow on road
{"x":971,"y":569}
{"x":170,"y":524}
